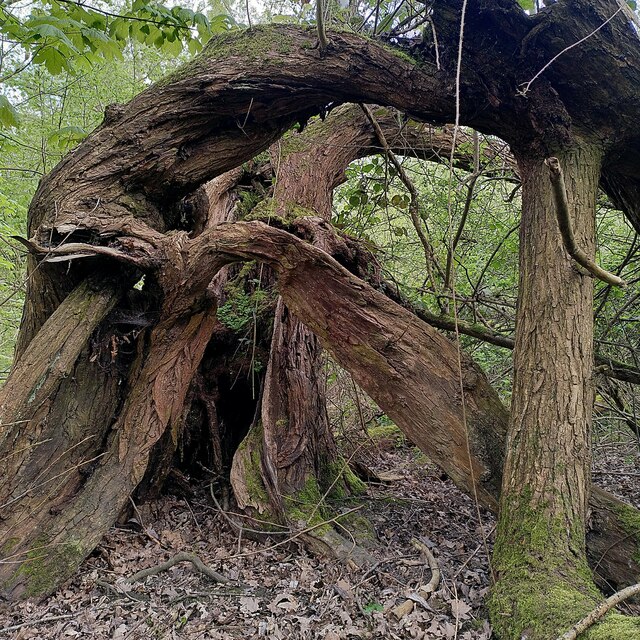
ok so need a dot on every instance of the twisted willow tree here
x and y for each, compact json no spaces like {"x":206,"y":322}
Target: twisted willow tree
{"x":85,"y":424}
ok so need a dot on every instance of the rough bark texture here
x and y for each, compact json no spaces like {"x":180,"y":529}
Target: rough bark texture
{"x":140,"y":162}
{"x":122,"y":190}
{"x":419,"y":388}
{"x":543,"y":582}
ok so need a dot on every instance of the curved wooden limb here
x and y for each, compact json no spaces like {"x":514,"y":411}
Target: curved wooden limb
{"x":566,"y":229}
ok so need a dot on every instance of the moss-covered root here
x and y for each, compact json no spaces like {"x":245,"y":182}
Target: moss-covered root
{"x":544,"y":587}
{"x":540,"y":611}
{"x":330,"y":533}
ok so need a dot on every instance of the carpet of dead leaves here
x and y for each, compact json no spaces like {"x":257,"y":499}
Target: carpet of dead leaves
{"x":287,"y":592}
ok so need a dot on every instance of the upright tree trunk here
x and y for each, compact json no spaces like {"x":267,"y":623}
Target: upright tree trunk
{"x":543,"y":580}
{"x":290,"y":454}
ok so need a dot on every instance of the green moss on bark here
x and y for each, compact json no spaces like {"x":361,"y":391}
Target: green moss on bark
{"x":544,"y":584}
{"x":48,"y":565}
{"x":630,"y":519}
{"x":307,"y":509}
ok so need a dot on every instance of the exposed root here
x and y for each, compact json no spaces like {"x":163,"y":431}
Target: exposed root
{"x":183,"y":556}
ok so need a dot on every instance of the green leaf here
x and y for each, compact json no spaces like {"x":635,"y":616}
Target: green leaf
{"x":54,"y":61}
{"x":67,"y":137}
{"x":119,"y":29}
{"x":8,"y":114}
{"x":173,"y":48}
{"x":194,"y":47}
{"x":527,"y":5}
{"x":49,"y":31}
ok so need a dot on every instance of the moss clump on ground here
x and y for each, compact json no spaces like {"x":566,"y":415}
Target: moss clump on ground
{"x":360,"y":528}
{"x":536,"y":609}
{"x":386,"y":432}
{"x":614,"y":627}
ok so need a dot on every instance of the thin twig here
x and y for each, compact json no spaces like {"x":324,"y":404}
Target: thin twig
{"x":463,"y":402}
{"x":130,"y":595}
{"x":15,"y":627}
{"x":599,"y":612}
{"x":471,"y":183}
{"x":240,"y":527}
{"x":566,"y":231}
{"x":429,"y":254}
{"x":527,"y":86}
{"x":296,"y":535}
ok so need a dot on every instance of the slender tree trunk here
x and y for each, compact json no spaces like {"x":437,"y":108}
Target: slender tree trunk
{"x":543,"y":580}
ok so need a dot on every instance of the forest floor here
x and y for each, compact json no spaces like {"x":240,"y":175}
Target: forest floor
{"x":287,"y":592}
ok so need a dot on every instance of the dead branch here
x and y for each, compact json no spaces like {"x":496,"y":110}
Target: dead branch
{"x":432,"y":585}
{"x":566,"y":230}
{"x":600,"y":611}
{"x":183,"y":556}
{"x":77,"y":250}
{"x":430,"y":258}
{"x":15,"y":627}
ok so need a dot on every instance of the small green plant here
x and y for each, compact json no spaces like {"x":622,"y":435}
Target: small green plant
{"x":372,"y":607}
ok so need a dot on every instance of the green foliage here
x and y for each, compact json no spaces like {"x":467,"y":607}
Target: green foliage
{"x":67,"y":36}
{"x":239,"y":309}
{"x":8,"y":113}
{"x":527,"y":5}
{"x":245,"y":302}
{"x":67,"y":137}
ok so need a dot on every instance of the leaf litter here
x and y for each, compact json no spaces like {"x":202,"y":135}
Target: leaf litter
{"x":287,"y":592}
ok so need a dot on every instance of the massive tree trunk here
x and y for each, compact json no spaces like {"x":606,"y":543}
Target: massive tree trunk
{"x":415,"y":387}
{"x":290,"y":454}
{"x":543,"y":582}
